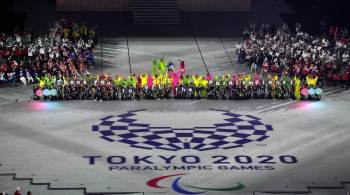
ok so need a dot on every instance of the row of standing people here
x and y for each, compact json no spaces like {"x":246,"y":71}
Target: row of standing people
{"x":175,"y":82}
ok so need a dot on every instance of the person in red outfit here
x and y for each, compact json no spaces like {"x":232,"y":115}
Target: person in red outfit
{"x":18,"y":191}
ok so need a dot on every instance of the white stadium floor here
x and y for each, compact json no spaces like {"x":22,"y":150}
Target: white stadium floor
{"x":174,"y":146}
{"x":215,"y":54}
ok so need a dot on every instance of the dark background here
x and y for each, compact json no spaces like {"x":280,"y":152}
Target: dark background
{"x":311,"y":13}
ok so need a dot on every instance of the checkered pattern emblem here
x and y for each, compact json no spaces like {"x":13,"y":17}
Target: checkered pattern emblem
{"x":236,"y":131}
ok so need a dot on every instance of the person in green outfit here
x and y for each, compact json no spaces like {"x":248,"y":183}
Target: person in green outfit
{"x":187,"y":80}
{"x":50,"y":80}
{"x":154,"y":67}
{"x":132,"y":81}
{"x":161,"y":66}
{"x":41,"y":81}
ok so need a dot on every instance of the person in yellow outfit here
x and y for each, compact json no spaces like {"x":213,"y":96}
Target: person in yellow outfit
{"x":225,"y":79}
{"x":297,"y":88}
{"x":247,"y":78}
{"x":144,"y":78}
{"x":157,"y":80}
{"x":311,"y":80}
{"x":275,"y":78}
{"x":41,"y":81}
{"x":117,"y":81}
{"x":204,"y":85}
{"x":166,"y":80}
{"x":65,"y":81}
{"x":196,"y":80}
{"x":163,"y":79}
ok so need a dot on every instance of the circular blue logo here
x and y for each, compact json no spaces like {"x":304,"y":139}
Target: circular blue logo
{"x":235,"y":131}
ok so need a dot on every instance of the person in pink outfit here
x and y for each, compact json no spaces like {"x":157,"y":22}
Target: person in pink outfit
{"x":209,"y":77}
{"x":182,"y":70}
{"x":256,"y":79}
{"x":175,"y":79}
{"x":234,"y":78}
{"x":150,"y":81}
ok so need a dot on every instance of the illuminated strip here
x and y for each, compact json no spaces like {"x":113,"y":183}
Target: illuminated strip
{"x":234,"y":188}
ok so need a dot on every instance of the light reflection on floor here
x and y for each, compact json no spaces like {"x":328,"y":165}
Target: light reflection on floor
{"x":42,"y":105}
{"x":307,"y":105}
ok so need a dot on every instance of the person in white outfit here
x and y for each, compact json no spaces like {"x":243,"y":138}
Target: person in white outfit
{"x":29,"y":77}
{"x":22,"y":77}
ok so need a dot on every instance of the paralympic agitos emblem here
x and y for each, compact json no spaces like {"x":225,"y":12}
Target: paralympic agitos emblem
{"x":234,"y":131}
{"x":189,"y":189}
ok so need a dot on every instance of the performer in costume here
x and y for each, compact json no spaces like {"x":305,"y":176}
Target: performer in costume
{"x":138,"y":85}
{"x":90,"y":79}
{"x":157,"y":80}
{"x":247,"y":78}
{"x":256,"y":79}
{"x":154,"y":67}
{"x":204,"y":85}
{"x":150,"y":81}
{"x":235,"y":79}
{"x":144,"y":79}
{"x":311,"y":80}
{"x":286,"y":83}
{"x":174,"y":80}
{"x":196,"y":80}
{"x":182,"y":70}
{"x":170,"y":66}
{"x":297,"y":87}
{"x":161,"y":66}
{"x":209,"y":77}
{"x":117,"y":81}
{"x":50,"y":81}
{"x":241,"y":78}
{"x":124,"y":83}
{"x":65,"y":81}
{"x":181,"y":80}
{"x":41,"y":81}
{"x":167,"y":81}
{"x":217,"y":78}
{"x":132,"y":81}
{"x":187,"y":80}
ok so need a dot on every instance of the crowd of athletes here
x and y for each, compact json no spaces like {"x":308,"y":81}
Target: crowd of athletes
{"x":294,"y":52}
{"x":66,"y":49}
{"x":285,"y":63}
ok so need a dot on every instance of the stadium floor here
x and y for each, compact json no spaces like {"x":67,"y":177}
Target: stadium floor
{"x":176,"y":146}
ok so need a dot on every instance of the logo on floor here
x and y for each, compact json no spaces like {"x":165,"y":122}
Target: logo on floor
{"x":234,"y":131}
{"x":176,"y":187}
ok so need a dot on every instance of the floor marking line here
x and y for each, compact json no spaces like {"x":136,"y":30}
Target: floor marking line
{"x":195,"y":101}
{"x":276,"y":106}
